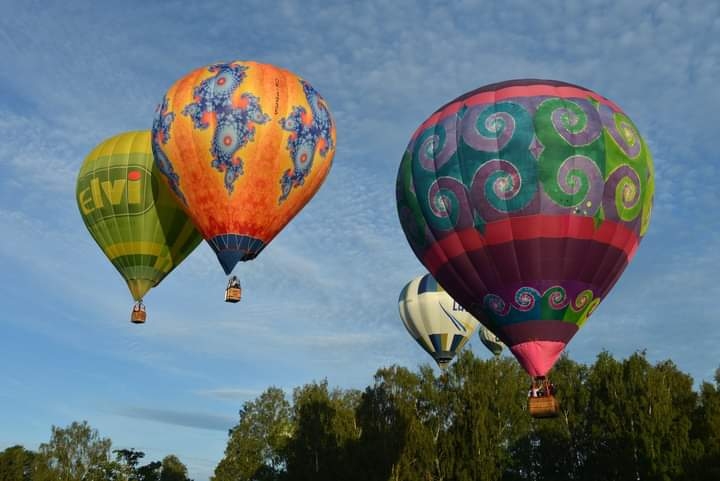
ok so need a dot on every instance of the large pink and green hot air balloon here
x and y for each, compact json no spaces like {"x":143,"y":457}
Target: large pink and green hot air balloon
{"x":526,"y":200}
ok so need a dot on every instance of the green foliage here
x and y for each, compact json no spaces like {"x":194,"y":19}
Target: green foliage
{"x":398,"y":427}
{"x":78,"y":453}
{"x":173,"y":469}
{"x":16,"y":464}
{"x":126,"y":467}
{"x":705,"y":434}
{"x":619,"y":419}
{"x":484,"y":398}
{"x":149,"y":472}
{"x":638,"y":419}
{"x":257,"y":443}
{"x":323,"y":425}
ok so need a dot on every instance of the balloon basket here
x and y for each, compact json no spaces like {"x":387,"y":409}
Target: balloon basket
{"x":543,"y":407}
{"x":137,"y":317}
{"x":233,"y":294}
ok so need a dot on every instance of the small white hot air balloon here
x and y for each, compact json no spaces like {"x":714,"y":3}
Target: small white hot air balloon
{"x":439,"y":324}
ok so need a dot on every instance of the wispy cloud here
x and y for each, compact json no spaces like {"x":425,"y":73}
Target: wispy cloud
{"x":196,"y":420}
{"x":229,"y":394}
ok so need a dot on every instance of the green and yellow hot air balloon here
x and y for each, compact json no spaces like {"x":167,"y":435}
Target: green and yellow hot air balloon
{"x":132,"y":215}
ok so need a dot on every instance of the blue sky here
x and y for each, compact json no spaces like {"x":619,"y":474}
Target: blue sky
{"x":320,"y":302}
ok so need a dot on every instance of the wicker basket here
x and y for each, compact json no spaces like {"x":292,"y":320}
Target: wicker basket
{"x":544,"y":406}
{"x":138,"y":316}
{"x":233,"y":294}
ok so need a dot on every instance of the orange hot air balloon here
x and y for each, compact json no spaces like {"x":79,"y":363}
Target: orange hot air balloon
{"x":243,"y":146}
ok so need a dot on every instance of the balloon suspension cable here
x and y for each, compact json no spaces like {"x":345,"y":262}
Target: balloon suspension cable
{"x":443,"y":377}
{"x":442,"y":380}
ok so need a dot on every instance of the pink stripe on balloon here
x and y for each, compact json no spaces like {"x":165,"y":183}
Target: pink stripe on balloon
{"x":515,"y":91}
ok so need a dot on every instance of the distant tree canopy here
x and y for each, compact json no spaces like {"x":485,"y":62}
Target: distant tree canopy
{"x":619,"y":420}
{"x":78,"y":453}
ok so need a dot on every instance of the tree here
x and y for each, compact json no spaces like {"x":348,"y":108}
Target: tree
{"x":323,"y":426}
{"x":618,"y":420}
{"x":173,"y":469}
{"x":638,"y":419}
{"x":256,"y":444}
{"x":487,"y":416}
{"x":74,"y":453}
{"x":16,"y":464}
{"x":705,"y":434}
{"x":150,"y":471}
{"x":128,"y":461}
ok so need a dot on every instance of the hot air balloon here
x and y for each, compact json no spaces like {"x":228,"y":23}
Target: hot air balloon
{"x":132,"y":215}
{"x":490,"y":340}
{"x":526,"y":200}
{"x":243,"y":146}
{"x":439,"y":324}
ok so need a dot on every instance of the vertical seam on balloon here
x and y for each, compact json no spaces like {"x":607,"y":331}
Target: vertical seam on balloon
{"x":122,"y":260}
{"x":422,"y":330}
{"x":601,"y":143}
{"x":422,"y":315}
{"x":143,"y":218}
{"x":426,"y":197}
{"x":402,"y":307}
{"x":159,"y":234}
{"x":607,"y":246}
{"x":279,"y":148}
{"x":458,"y":129}
{"x":570,"y":215}
{"x":147,"y":151}
{"x":99,"y":235}
{"x":136,"y":136}
{"x":427,"y":326}
{"x":508,"y":216}
{"x":138,"y":254}
{"x":623,"y":258}
{"x":103,"y":233}
{"x":449,"y":264}
{"x":191,"y":79}
{"x":465,"y":253}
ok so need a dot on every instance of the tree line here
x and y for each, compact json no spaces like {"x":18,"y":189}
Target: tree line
{"x":78,"y":453}
{"x":620,"y":419}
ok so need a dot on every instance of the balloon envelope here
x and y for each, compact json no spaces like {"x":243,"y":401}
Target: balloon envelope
{"x":439,"y":324}
{"x":130,"y":212}
{"x":526,"y":200}
{"x":243,"y":146}
{"x":490,"y":340}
